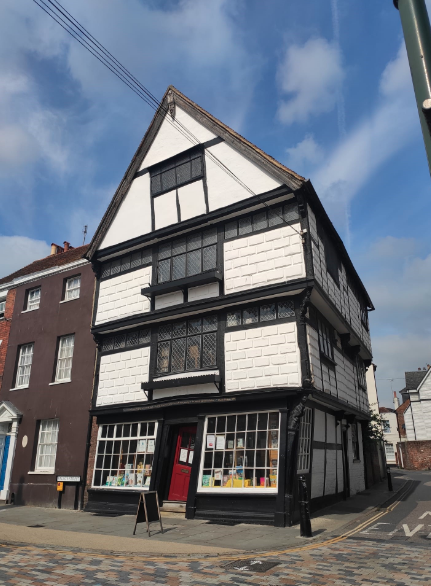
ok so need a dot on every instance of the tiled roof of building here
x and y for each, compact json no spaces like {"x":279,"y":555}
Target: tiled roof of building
{"x":414,"y":379}
{"x":385,"y":410}
{"x":403,"y":407}
{"x":54,"y":260}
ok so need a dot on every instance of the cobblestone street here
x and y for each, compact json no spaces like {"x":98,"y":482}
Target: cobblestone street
{"x":350,"y":562}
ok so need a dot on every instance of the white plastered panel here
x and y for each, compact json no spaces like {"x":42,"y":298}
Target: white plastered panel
{"x":165,"y":209}
{"x":318,"y":473}
{"x":169,"y":141}
{"x":223,"y":190}
{"x":169,"y":299}
{"x":192,"y":200}
{"x":319,"y":426}
{"x":204,"y":389}
{"x":133,"y":217}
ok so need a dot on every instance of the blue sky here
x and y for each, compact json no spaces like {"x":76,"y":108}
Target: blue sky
{"x":321,"y":85}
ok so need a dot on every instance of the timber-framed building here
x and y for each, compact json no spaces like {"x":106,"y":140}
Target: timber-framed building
{"x":232,"y":332}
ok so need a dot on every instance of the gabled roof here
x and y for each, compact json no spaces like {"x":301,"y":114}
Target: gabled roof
{"x":10,"y":407}
{"x":54,"y":260}
{"x":414,"y":379}
{"x":268,"y":163}
{"x":427,"y":374}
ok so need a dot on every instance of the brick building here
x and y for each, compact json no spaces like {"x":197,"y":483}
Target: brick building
{"x":232,"y":333}
{"x":47,"y":371}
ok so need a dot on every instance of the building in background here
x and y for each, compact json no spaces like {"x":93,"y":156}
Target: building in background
{"x":232,"y":333}
{"x":47,"y":380}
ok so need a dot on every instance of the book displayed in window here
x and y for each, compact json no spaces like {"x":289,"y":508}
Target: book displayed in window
{"x":187,"y":345}
{"x":125,"y":453}
{"x":241,"y":451}
{"x":47,"y":445}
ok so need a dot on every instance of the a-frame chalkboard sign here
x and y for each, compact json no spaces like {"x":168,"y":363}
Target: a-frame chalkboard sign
{"x":148,"y":510}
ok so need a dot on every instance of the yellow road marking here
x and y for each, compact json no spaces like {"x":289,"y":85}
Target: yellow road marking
{"x":220,"y":558}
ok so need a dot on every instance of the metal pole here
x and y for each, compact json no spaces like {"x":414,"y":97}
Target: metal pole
{"x":390,"y":487}
{"x":417,"y":35}
{"x":304,"y":509}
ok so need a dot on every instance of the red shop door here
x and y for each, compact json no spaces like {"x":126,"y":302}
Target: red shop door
{"x":182,"y":464}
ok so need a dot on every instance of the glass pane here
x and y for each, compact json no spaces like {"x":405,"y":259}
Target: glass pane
{"x":144,"y":336}
{"x":115,"y":267}
{"x":250,"y":441}
{"x":221,"y":424}
{"x":106,"y":269}
{"x":231,"y":423}
{"x":178,"y":355}
{"x":125,"y":263}
{"x":245,"y":226}
{"x":268,"y":312}
{"x":184,"y":173}
{"x":259,"y":221}
{"x":211,"y":425}
{"x":233,"y":319}
{"x":291,"y":212}
{"x":195,"y":326}
{"x":164,"y":251}
{"x":194,"y":262}
{"x":136,"y":259}
{"x":179,"y":329}
{"x":194,"y":241}
{"x":285,"y":309}
{"x":209,"y":236}
{"x":251,"y":421}
{"x":209,"y":350}
{"x":178,"y":267}
{"x":168,"y":179}
{"x":163,"y":349}
{"x":156,"y":184}
{"x":209,"y":323}
{"x":165,"y":332}
{"x":197,"y":166}
{"x":275,"y":216}
{"x":147,"y":257}
{"x":164,"y":271}
{"x":132,"y":339}
{"x":250,"y":315}
{"x":273,"y":420}
{"x":178,"y":246}
{"x":151,"y":428}
{"x":193,"y":353}
{"x":208,"y":460}
{"x":119,"y":341}
{"x":262,"y":421}
{"x":231,"y":230}
{"x":209,"y":258}
{"x":240,"y":423}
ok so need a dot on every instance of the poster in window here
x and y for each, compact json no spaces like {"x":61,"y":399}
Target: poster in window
{"x":191,"y":457}
{"x":142,"y":445}
{"x":183,"y":456}
{"x":150,"y":446}
{"x":210,"y":441}
{"x":217,"y":474}
{"x":220,"y":442}
{"x":274,"y":439}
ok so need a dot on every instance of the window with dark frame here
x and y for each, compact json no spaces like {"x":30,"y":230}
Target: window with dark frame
{"x":187,"y":256}
{"x":175,"y":173}
{"x":262,"y":220}
{"x":33,"y":299}
{"x":187,"y":345}
{"x":133,"y":260}
{"x":355,"y":441}
{"x":326,"y":338}
{"x":361,"y":373}
{"x":364,"y":316}
{"x":135,"y":338}
{"x":2,"y":308}
{"x":260,"y":313}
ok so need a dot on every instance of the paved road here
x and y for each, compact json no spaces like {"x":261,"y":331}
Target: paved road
{"x":373,"y":557}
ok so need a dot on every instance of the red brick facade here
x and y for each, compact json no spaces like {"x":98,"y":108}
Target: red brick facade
{"x":91,"y":457}
{"x":5,"y":324}
{"x":416,"y":455}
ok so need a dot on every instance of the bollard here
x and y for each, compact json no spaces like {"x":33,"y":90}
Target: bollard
{"x":304,"y":508}
{"x":390,"y":487}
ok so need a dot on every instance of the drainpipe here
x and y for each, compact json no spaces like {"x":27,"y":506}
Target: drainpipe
{"x":417,"y":35}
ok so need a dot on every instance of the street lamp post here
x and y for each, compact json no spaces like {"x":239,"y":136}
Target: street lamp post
{"x":417,"y":35}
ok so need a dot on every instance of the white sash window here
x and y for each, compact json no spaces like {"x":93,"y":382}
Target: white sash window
{"x":25,"y":361}
{"x":64,"y":360}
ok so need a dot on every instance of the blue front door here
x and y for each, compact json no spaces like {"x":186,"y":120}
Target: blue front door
{"x":4,"y":462}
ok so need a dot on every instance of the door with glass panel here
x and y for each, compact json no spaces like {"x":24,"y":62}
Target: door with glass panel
{"x":182,"y":464}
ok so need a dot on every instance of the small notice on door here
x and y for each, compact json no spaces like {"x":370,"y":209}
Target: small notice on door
{"x":210,"y":441}
{"x":183,"y":456}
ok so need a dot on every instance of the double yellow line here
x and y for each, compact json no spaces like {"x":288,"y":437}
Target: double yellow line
{"x":218,"y":559}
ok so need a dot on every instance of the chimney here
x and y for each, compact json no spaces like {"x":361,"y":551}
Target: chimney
{"x":56,"y":249}
{"x":66,"y":246}
{"x":396,"y":402}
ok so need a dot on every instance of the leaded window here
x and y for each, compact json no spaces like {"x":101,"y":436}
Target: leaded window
{"x":127,"y":340}
{"x":326,"y":339}
{"x":184,"y":169}
{"x":262,"y":220}
{"x":304,"y":447}
{"x":133,"y":260}
{"x":64,"y":359}
{"x":25,"y":361}
{"x":47,"y":445}
{"x":125,"y":453}
{"x":263,"y":313}
{"x":187,"y":256}
{"x":241,"y":452}
{"x":187,"y":345}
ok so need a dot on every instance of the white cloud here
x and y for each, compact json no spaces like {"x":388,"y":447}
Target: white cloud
{"x":17,"y":147}
{"x":305,"y":154}
{"x":19,"y":251}
{"x":389,"y":128}
{"x":312,"y":74}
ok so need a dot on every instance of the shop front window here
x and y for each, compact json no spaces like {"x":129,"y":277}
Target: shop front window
{"x":125,"y":453}
{"x":241,"y":452}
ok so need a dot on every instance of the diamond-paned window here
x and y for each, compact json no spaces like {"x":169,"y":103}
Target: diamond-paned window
{"x":187,"y":346}
{"x":185,"y":257}
{"x":135,"y":338}
{"x":126,"y":262}
{"x":271,"y":217}
{"x":263,"y":313}
{"x":176,"y":172}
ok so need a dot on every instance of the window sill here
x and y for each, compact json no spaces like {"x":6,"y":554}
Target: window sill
{"x":29,"y":310}
{"x":51,"y":472}
{"x":253,"y":490}
{"x":19,"y":388}
{"x":181,"y":284}
{"x":60,"y":382}
{"x":67,"y":300}
{"x":181,"y":381}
